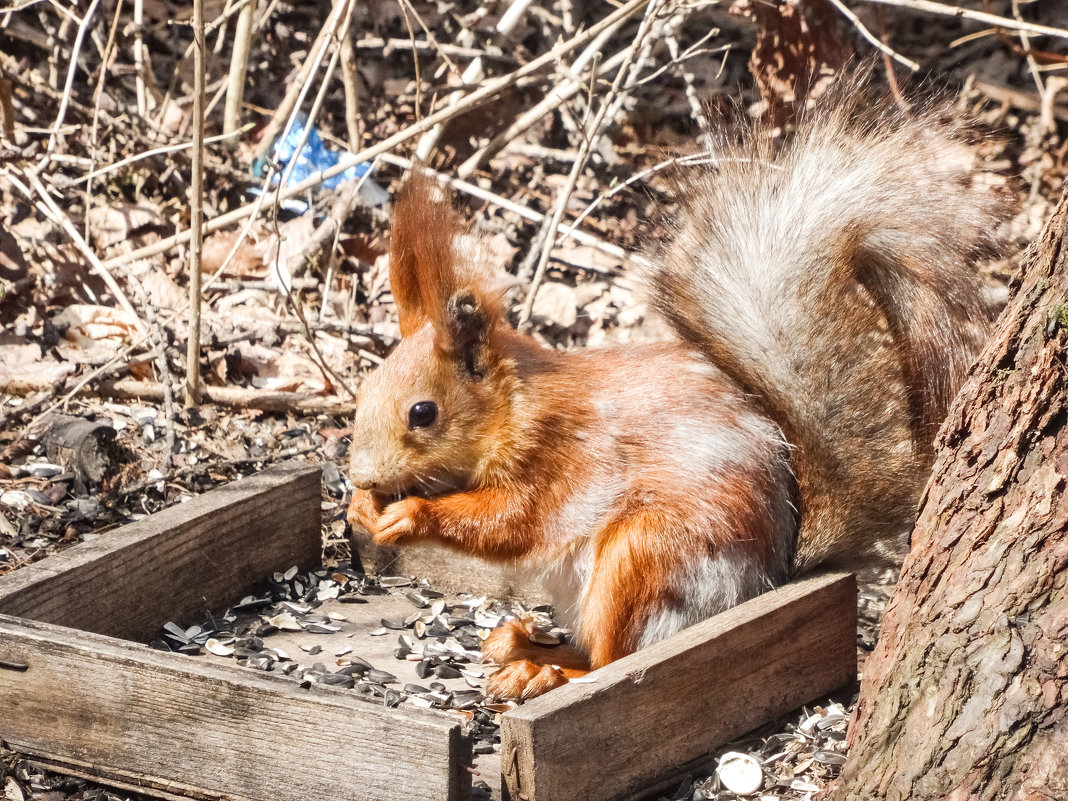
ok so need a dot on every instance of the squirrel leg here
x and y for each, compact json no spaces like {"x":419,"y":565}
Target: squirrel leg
{"x":511,"y":642}
{"x":638,"y":562}
{"x":490,"y":522}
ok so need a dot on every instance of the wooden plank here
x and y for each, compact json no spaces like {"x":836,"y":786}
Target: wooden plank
{"x":447,"y":570}
{"x":171,"y":725}
{"x":679,"y":699}
{"x":179,"y":563}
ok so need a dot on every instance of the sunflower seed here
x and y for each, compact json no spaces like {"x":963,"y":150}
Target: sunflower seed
{"x":419,"y":600}
{"x":218,"y":648}
{"x":740,"y":773}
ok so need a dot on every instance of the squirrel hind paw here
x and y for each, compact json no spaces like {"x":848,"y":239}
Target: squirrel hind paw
{"x":523,"y":680}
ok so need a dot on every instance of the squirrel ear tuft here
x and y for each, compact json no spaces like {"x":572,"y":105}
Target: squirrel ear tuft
{"x":467,"y":327}
{"x":421,"y":258}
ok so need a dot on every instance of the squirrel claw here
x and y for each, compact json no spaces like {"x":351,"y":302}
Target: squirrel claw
{"x":523,"y":680}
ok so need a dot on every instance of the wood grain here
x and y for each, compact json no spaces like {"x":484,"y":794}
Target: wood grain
{"x":179,"y":563}
{"x":168,"y":724}
{"x":680,"y":698}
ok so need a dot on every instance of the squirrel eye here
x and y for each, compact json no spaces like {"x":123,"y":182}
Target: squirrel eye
{"x":422,"y":414}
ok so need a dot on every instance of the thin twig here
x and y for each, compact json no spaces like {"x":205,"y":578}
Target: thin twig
{"x":327,"y":231}
{"x":881,"y":46}
{"x":178,"y":66}
{"x":475,"y":191}
{"x":235,"y":88}
{"x":98,"y":94}
{"x":68,"y":87}
{"x":1025,"y":43}
{"x":196,"y":211}
{"x":238,"y":397}
{"x":978,"y":16}
{"x":282,"y":119}
{"x":692,"y":160}
{"x":351,"y":81}
{"x":386,"y":46}
{"x":338,"y":19}
{"x":139,"y":58}
{"x":339,"y":31}
{"x":559,"y":95}
{"x":407,"y":8}
{"x":159,"y":151}
{"x":50,"y":209}
{"x":473,"y":74}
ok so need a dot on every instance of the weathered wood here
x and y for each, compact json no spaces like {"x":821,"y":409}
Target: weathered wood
{"x":169,"y":724}
{"x":680,"y":698}
{"x":179,"y":563}
{"x":446,"y":570}
{"x":85,"y":447}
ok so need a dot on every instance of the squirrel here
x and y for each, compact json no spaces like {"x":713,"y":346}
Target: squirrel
{"x":826,"y":305}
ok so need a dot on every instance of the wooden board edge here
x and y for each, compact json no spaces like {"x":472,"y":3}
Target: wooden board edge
{"x":70,"y":587}
{"x":118,"y":779}
{"x":526,"y":730}
{"x":446,"y":570}
{"x":35,"y":638}
{"x":205,"y":504}
{"x":632,"y":667}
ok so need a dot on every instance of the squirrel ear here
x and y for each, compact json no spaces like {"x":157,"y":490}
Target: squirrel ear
{"x":467,"y":327}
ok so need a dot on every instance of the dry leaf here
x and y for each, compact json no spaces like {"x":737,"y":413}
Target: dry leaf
{"x":23,"y":363}
{"x":87,"y":325}
{"x":162,"y":290}
{"x":248,"y":260}
{"x":119,"y":222}
{"x":556,"y":303}
{"x":279,"y":250}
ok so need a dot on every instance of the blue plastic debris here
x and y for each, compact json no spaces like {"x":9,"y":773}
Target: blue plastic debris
{"x":314,"y":158}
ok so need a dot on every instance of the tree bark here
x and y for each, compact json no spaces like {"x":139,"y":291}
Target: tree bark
{"x":966,"y":694}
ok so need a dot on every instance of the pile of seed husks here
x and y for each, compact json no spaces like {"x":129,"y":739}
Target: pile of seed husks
{"x":444,"y":639}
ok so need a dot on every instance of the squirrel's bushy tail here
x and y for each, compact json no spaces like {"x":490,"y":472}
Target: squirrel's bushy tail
{"x":833,"y":277}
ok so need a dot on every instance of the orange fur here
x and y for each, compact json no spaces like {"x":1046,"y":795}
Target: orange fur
{"x":526,"y":679}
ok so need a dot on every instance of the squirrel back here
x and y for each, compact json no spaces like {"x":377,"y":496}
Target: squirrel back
{"x":833,"y":279}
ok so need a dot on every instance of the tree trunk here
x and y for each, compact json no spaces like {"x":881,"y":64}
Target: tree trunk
{"x":966,"y":694}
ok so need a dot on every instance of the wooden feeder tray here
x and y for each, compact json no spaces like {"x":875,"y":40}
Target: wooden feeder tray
{"x":82,"y":694}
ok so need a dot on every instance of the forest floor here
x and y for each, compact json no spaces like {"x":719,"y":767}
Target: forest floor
{"x":97,"y":114}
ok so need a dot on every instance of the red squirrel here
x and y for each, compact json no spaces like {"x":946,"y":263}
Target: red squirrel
{"x":826,"y":306}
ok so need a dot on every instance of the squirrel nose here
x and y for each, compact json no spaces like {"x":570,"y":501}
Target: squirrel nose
{"x":361,"y":471}
{"x":362,"y":482}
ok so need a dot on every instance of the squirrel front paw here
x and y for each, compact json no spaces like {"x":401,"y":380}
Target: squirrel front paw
{"x":406,"y":519}
{"x":523,"y":680}
{"x":363,"y":509}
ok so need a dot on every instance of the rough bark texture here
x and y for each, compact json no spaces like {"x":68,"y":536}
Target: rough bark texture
{"x":966,"y":695}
